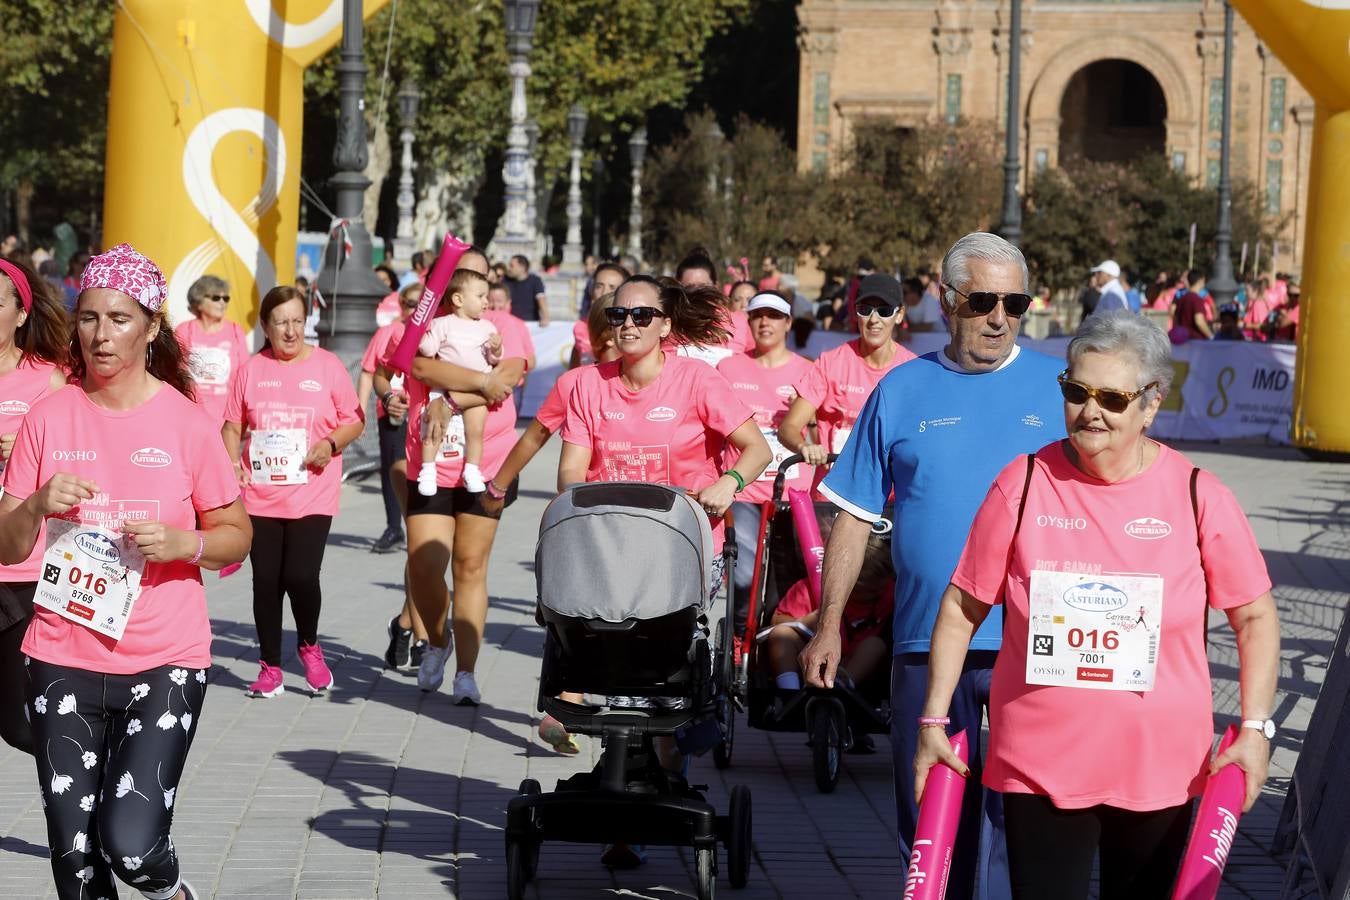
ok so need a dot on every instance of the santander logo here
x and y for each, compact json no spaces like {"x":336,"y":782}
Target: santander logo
{"x":661,"y":414}
{"x":151,"y":458}
{"x":1148,"y":529}
{"x":13,"y":408}
{"x":309,"y":384}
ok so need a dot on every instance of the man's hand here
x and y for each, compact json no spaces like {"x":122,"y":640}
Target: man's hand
{"x":160,"y":543}
{"x":1251,"y":752}
{"x":819,"y":659}
{"x":62,"y":493}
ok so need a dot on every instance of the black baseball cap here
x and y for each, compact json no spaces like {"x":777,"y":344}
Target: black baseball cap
{"x":880,"y":286}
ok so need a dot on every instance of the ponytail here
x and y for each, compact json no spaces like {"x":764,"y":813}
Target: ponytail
{"x":696,"y":314}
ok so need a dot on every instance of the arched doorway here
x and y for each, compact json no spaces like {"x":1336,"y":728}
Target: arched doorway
{"x":1112,"y":110}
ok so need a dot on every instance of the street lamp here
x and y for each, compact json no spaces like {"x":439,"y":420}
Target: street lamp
{"x":637,"y":153}
{"x":718,"y":139}
{"x":1222,"y":286}
{"x":597,"y":176}
{"x":518,"y":226}
{"x":532,"y":191}
{"x":408,"y":99}
{"x":1011,"y":227}
{"x":576,"y":130}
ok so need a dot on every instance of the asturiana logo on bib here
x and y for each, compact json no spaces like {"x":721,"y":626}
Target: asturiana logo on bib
{"x":13,"y":408}
{"x":1095,"y":596}
{"x":98,"y":546}
{"x":661,"y":414}
{"x":309,"y":384}
{"x":1148,"y":529}
{"x":151,"y":458}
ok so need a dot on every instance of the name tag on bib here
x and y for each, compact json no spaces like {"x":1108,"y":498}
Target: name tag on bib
{"x":90,"y":576}
{"x":1094,"y":631}
{"x":278,"y":457}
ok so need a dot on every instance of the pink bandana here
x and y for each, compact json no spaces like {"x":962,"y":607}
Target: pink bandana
{"x":124,"y":269}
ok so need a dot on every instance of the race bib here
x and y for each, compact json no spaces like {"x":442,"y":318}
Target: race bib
{"x":452,"y":444}
{"x":1094,"y":631}
{"x":839,"y":437}
{"x":90,"y":575}
{"x":278,"y":457}
{"x":210,"y":366}
{"x":779,"y":452}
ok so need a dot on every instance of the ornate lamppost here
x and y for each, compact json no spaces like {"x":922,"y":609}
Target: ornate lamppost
{"x":518,"y":225}
{"x":408,"y":99}
{"x":576,"y":130}
{"x":1222,"y":286}
{"x":1011,"y":227}
{"x":637,"y":153}
{"x":597,"y":176}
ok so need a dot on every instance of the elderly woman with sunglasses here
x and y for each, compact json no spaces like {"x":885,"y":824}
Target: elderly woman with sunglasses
{"x":1107,"y":550}
{"x":215,"y":347}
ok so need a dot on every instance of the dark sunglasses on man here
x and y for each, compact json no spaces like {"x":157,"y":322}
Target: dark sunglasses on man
{"x":642,"y":315}
{"x":982,"y":303}
{"x":1078,"y":393}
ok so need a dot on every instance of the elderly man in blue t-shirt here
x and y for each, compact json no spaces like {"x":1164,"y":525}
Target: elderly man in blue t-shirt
{"x":936,"y":431}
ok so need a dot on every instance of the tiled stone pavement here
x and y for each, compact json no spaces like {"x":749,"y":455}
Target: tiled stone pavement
{"x":378,"y":790}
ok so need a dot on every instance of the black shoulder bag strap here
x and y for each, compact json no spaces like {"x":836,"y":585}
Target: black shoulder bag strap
{"x":1195,"y":513}
{"x":1021,"y":508}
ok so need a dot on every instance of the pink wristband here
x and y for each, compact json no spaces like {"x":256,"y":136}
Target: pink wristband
{"x":201,"y":546}
{"x":934,"y":720}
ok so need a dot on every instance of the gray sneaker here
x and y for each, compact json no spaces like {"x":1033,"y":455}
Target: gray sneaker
{"x":431,"y":673}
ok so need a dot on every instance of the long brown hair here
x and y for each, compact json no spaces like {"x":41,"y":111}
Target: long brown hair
{"x":45,"y":334}
{"x":164,"y":355}
{"x":282,"y":293}
{"x":696,"y":314}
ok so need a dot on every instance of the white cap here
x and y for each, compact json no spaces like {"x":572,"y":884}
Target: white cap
{"x":1110,"y":267}
{"x":769,"y":301}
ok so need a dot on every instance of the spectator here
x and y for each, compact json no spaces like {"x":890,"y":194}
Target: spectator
{"x":418,"y":272}
{"x":10,"y":244}
{"x":1088,"y":297}
{"x":1111,"y":294}
{"x":1286,"y":318}
{"x":529,"y":300}
{"x":389,"y":277}
{"x":1188,"y":312}
{"x":1042,"y":299}
{"x":1259,"y":310}
{"x":1133,"y":296}
{"x":1230,"y":328}
{"x":923,"y":311}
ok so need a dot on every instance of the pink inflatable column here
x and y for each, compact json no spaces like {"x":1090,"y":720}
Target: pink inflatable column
{"x":930,"y":859}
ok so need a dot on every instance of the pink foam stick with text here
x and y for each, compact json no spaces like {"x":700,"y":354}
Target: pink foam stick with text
{"x":451,"y":250}
{"x":808,"y":539}
{"x":1214,"y":829}
{"x":930,"y":859}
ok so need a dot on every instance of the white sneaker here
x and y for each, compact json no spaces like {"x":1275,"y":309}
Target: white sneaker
{"x":474,"y":482}
{"x":431,"y":673}
{"x":426,"y":480}
{"x":465,"y":692}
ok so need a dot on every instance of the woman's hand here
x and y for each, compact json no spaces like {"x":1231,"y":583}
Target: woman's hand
{"x":7,"y":444}
{"x":814,"y":454}
{"x":397,"y":407}
{"x":241,"y":472}
{"x":438,"y":414}
{"x":1251,"y":752}
{"x":320,"y":455}
{"x":62,"y":493}
{"x":934,"y":747}
{"x":160,"y":543}
{"x":495,"y":388}
{"x":717,"y":497}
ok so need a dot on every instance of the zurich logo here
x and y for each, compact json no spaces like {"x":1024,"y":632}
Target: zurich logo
{"x":98,"y":546}
{"x":1095,"y":596}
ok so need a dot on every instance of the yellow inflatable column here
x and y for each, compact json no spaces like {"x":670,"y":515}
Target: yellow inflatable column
{"x":204,"y":130}
{"x":1312,"y":38}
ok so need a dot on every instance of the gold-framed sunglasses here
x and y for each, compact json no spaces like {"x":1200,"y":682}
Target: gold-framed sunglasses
{"x":1077,"y":393}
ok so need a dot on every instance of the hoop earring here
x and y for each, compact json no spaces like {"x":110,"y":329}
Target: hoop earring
{"x":149,"y":355}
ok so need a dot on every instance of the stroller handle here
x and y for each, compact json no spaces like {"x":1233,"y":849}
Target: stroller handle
{"x":788,"y":464}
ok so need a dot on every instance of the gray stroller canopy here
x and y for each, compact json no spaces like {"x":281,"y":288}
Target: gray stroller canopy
{"x":623,"y":550}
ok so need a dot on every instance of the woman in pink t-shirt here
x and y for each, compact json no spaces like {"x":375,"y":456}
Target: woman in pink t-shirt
{"x":605,"y":281}
{"x":1107,"y":551}
{"x":216,"y":348}
{"x":135,"y":490}
{"x":296,"y":405}
{"x":34,"y":335}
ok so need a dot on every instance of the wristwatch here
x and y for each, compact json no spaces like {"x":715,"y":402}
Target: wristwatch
{"x":1265,"y":726}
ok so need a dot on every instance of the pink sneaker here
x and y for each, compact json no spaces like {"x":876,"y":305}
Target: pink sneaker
{"x":317,"y":673}
{"x":269,"y":683}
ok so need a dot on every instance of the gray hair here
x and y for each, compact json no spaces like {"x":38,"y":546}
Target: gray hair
{"x":1121,"y":331}
{"x":976,"y":245}
{"x":207,"y":284}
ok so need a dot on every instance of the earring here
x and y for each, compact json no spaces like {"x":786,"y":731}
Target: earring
{"x":149,"y":354}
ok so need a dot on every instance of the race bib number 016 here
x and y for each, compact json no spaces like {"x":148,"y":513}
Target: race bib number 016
{"x":278,"y":457}
{"x":90,"y":576}
{"x":1098,"y":631}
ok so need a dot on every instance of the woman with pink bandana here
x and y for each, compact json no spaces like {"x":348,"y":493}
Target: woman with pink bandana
{"x":125,"y":480}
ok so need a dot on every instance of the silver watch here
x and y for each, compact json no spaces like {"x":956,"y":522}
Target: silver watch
{"x":1265,"y":726}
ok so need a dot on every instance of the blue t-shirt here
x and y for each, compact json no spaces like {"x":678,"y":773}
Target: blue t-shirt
{"x":939,"y":436}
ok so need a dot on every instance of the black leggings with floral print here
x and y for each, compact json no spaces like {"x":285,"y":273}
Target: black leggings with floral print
{"x":110,"y":750}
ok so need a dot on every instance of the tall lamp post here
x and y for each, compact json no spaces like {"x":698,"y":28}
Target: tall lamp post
{"x":532,"y":192}
{"x":408,"y":99}
{"x":1222,"y":286}
{"x":637,"y":153}
{"x":518,"y":227}
{"x":597,"y":176}
{"x":576,"y":130}
{"x":1010,"y":229}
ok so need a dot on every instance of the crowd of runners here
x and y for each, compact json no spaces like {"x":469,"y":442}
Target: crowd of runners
{"x":1052,"y":563}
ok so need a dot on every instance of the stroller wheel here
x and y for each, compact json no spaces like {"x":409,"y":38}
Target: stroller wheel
{"x":529,"y":850}
{"x":825,"y":723}
{"x":705,"y":862}
{"x":739,"y":837}
{"x":726,"y":717}
{"x":516,"y":877}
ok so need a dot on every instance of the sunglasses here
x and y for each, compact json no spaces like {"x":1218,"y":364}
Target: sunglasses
{"x":982,"y":303}
{"x":642,"y":315}
{"x":224,"y":298}
{"x":885,"y":310}
{"x":770,"y":313}
{"x":1111,"y":401}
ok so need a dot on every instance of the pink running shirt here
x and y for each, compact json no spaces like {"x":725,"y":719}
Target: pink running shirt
{"x":1137,"y":750}
{"x":768,"y":393}
{"x":213,"y":359}
{"x":671,"y":432}
{"x":581,"y":339}
{"x":162,"y":461}
{"x":382,"y":343}
{"x":30,"y":381}
{"x":519,"y":334}
{"x":315,"y":394}
{"x":553,"y":410}
{"x":838,"y":385}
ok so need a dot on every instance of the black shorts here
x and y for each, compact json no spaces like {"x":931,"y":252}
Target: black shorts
{"x":455,"y":500}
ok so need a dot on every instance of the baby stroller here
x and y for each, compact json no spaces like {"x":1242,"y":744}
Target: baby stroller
{"x":833,"y":719}
{"x":623,"y":571}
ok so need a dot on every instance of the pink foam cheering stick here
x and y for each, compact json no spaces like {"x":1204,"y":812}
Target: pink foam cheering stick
{"x":1214,"y":830}
{"x":930,"y":859}
{"x":446,"y":263}
{"x":808,"y":539}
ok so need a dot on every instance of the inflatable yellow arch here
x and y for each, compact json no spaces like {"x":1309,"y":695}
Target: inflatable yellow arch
{"x":204,"y":128}
{"x":1312,"y":38}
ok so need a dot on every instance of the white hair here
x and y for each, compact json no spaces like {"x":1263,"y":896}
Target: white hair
{"x":1121,"y":331}
{"x":976,"y":245}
